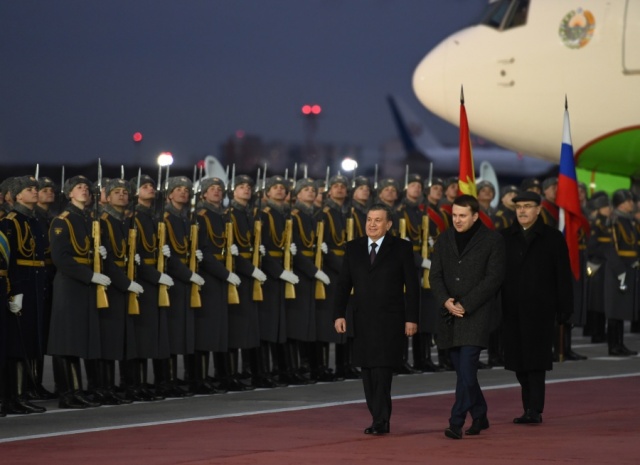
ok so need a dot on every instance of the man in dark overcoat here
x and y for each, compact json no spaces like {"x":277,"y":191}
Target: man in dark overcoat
{"x":379,"y":268}
{"x":537,"y":292}
{"x":467,"y":269}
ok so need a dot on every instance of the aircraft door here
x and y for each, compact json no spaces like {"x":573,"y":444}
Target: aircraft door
{"x":631,"y":38}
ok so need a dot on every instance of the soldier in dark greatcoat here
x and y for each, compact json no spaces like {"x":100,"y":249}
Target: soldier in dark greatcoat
{"x":74,"y":333}
{"x":212,"y":320}
{"x":301,"y":311}
{"x":29,"y":286}
{"x":116,"y":328}
{"x":335,"y":236}
{"x":180,"y":314}
{"x":4,"y":288}
{"x":150,"y":327}
{"x":244,"y":332}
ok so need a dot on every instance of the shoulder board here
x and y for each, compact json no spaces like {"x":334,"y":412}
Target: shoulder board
{"x":11,"y":215}
{"x":294,"y":211}
{"x":166,"y":215}
{"x":104,"y":216}
{"x":266,"y":209}
{"x":326,"y":209}
{"x":401,"y":207}
{"x":202,"y":212}
{"x":63,"y":215}
{"x":499,"y":213}
{"x":128,"y":213}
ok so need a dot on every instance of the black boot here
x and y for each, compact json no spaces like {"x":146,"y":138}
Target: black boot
{"x":36,"y":389}
{"x":569,"y":353}
{"x":18,"y":402}
{"x":290,"y":366}
{"x":624,"y":349}
{"x":70,"y":383}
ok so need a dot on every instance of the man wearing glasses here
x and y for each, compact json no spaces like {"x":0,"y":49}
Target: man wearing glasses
{"x":537,"y":292}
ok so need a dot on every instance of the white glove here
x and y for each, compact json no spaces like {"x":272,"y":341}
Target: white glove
{"x":407,"y":239}
{"x":293,"y":249}
{"x":621,"y":278}
{"x":103,"y":252}
{"x":234,"y":250}
{"x":135,"y":288}
{"x":165,"y":279}
{"x":431,"y":241}
{"x":136,"y":258}
{"x":199,"y":255}
{"x":324,"y":247}
{"x":322,"y":276}
{"x":101,"y":279}
{"x":289,"y":277}
{"x":636,"y":264}
{"x":16,"y":304}
{"x":196,"y":279}
{"x":233,"y":279}
{"x":166,"y":251}
{"x":263,"y":251}
{"x":426,"y":264}
{"x":259,"y":275}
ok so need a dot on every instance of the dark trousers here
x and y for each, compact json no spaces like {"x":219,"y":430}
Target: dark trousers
{"x":377,"y":391}
{"x":532,"y":383}
{"x":469,"y":397}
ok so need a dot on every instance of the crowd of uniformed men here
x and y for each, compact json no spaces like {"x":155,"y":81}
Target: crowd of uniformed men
{"x":249,"y":284}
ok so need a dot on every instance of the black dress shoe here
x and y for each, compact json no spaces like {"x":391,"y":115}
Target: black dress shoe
{"x":429,"y":367}
{"x":530,"y":417}
{"x":478,"y":425}
{"x":453,"y":432}
{"x":571,"y":355}
{"x":21,"y":407}
{"x":76,"y":401}
{"x":617,"y":351}
{"x":378,"y":429}
{"x":626,"y":351}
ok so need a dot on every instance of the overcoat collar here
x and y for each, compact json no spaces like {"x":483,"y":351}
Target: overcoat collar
{"x":479,"y":236}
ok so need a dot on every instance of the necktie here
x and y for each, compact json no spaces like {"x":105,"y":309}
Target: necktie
{"x":372,"y":255}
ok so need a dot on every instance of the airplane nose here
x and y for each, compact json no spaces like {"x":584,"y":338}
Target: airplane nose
{"x":429,"y":81}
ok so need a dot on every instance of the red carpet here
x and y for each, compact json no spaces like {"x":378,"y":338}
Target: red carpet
{"x":588,"y":422}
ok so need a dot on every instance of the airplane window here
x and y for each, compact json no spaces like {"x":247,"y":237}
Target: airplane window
{"x":506,"y":14}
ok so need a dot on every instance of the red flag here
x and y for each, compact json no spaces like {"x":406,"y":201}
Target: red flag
{"x":466,"y":175}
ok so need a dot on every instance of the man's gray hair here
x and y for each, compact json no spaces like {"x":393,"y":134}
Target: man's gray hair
{"x":381,"y":206}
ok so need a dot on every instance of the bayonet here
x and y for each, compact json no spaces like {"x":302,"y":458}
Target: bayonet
{"x":62,"y":181}
{"x":233,"y":178}
{"x":99,"y":178}
{"x":138,"y":183}
{"x":375,"y":177}
{"x":121,"y":171}
{"x":295,"y":174}
{"x":326,"y":180}
{"x":406,"y":176}
{"x":37,"y":170}
{"x":305,"y":171}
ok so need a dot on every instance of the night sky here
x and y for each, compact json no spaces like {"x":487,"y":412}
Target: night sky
{"x":79,"y":77}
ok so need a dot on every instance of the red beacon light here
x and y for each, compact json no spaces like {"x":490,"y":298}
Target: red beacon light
{"x":137,"y":137}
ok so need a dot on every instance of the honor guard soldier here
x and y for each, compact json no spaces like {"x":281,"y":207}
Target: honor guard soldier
{"x":388,"y":193}
{"x":27,"y":295}
{"x":4,"y":303}
{"x":598,"y":242}
{"x":212,"y":320}
{"x":74,"y":333}
{"x":438,"y":223}
{"x":621,"y":279}
{"x":180,"y":314}
{"x":532,"y":185}
{"x":150,"y":327}
{"x":273,"y":327}
{"x":301,"y":311}
{"x":449,"y":195}
{"x":116,"y":328}
{"x":550,"y":212}
{"x":244,"y":331}
{"x":411,"y":213}
{"x":335,"y":236}
{"x":360,"y":200}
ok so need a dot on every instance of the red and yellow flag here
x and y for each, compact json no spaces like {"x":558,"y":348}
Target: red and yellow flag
{"x":466,"y":175}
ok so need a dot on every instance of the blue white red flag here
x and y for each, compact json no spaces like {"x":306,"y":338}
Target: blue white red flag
{"x":571,"y":218}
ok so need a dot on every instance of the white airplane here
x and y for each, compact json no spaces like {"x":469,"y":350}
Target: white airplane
{"x":417,"y":138}
{"x":520,"y":61}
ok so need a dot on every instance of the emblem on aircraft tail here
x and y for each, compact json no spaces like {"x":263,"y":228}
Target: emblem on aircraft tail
{"x":576,"y":28}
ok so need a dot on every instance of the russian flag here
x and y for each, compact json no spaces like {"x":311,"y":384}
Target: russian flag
{"x":571,"y":217}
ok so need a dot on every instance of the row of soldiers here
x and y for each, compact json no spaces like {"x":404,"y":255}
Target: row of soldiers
{"x":250,"y":282}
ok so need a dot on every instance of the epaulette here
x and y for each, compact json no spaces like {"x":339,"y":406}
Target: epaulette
{"x":166,"y":215}
{"x":401,"y":207}
{"x":499,"y":213}
{"x":11,"y":215}
{"x":63,"y":215}
{"x":295,"y":211}
{"x":202,"y":212}
{"x":128,"y":213}
{"x":326,"y":209}
{"x":104,"y":216}
{"x":266,"y":209}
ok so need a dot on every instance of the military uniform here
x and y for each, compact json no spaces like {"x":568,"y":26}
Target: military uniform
{"x":4,"y":288}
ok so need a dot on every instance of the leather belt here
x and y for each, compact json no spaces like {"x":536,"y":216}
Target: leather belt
{"x":218,"y":256}
{"x":627,"y":253}
{"x":275,"y":253}
{"x":120,"y":263}
{"x":337,"y":252}
{"x":307,"y":253}
{"x":150,"y":261}
{"x":417,"y":248}
{"x":245,"y":254}
{"x":83,"y":261}
{"x":184,"y":260}
{"x":4,"y":273}
{"x":37,"y":263}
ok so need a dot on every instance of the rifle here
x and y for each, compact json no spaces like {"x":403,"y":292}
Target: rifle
{"x":320,"y":291}
{"x":101,"y":291}
{"x":134,"y":307}
{"x":424,"y":251}
{"x":257,"y":235}
{"x":289,"y":288}
{"x":196,"y":302}
{"x":163,"y":289}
